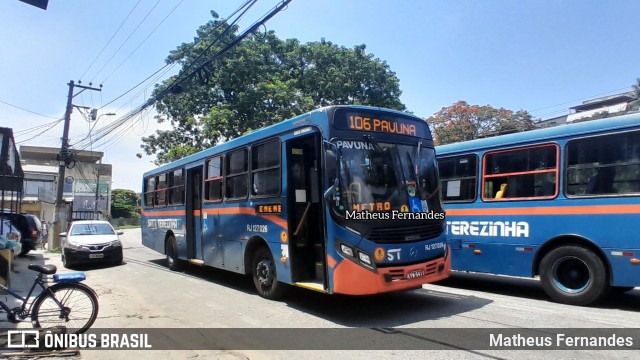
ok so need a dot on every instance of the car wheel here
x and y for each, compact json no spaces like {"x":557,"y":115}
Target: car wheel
{"x":118,"y":259}
{"x":66,"y":263}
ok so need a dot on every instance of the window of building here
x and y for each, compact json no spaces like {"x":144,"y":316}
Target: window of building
{"x":213,"y":179}
{"x":458,"y":178}
{"x":524,"y":173}
{"x":604,"y":165}
{"x":176,"y":189}
{"x":236,"y":173}
{"x":265,"y":169}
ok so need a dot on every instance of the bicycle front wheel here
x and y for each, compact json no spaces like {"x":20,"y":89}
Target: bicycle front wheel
{"x":73,"y":306}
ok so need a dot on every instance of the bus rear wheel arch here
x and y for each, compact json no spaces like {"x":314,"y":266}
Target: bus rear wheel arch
{"x":264,"y":274}
{"x":171,"y":251}
{"x":573,"y":274}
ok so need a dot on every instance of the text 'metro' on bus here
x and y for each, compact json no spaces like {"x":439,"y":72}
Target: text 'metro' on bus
{"x":562,"y":203}
{"x":344,"y":199}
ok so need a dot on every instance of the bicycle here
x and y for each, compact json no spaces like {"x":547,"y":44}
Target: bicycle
{"x":67,"y":303}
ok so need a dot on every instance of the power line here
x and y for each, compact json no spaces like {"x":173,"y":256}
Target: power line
{"x":113,"y":126}
{"x":125,"y":41}
{"x":42,"y":132}
{"x":142,"y":42}
{"x":109,"y":42}
{"x":27,"y":110}
{"x":172,"y":65}
{"x":24,"y":132}
{"x":276,"y":9}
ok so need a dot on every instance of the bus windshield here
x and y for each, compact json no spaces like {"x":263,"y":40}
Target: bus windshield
{"x":381,"y":177}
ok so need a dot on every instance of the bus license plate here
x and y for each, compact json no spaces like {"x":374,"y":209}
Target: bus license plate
{"x":415,"y":274}
{"x":96,"y":256}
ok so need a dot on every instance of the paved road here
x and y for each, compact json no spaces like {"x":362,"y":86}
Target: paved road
{"x":143,"y":293}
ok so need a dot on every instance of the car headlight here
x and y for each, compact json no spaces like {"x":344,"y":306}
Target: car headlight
{"x":116,"y":243}
{"x":74,"y":246}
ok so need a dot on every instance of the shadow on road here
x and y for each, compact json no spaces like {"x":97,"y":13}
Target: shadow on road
{"x":384,"y":310}
{"x":531,"y":289}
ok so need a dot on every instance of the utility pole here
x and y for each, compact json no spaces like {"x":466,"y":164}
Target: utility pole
{"x":95,"y":213}
{"x":65,"y":158}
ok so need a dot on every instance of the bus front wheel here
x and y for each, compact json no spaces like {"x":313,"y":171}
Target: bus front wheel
{"x":173,"y":262}
{"x":573,"y":275}
{"x":264,"y":274}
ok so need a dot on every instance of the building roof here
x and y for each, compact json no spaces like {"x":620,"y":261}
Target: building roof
{"x":49,"y":153}
{"x":604,"y":101}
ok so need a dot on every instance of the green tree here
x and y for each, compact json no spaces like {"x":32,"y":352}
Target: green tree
{"x":462,"y":122}
{"x":124,"y":204}
{"x":261,"y":81}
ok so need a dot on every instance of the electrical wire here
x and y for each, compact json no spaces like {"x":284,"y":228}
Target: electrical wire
{"x":113,"y":126}
{"x":40,"y":133}
{"x":142,"y":42}
{"x":125,"y":41}
{"x":27,"y":110}
{"x":172,"y":65}
{"x":109,"y":42}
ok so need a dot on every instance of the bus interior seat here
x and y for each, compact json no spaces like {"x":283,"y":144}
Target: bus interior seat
{"x":602,"y":181}
{"x":500,"y":194}
{"x":546,"y":189}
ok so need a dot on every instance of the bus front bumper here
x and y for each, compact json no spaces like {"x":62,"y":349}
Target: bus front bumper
{"x":352,"y":279}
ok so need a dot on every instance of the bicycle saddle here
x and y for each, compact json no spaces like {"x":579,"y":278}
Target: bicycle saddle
{"x":45,"y":269}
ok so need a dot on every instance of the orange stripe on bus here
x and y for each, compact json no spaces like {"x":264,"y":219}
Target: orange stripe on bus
{"x":550,"y":210}
{"x":220,"y":211}
{"x":276,"y":220}
{"x":246,"y":211}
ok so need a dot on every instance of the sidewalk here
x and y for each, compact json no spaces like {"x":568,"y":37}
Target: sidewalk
{"x":21,"y":280}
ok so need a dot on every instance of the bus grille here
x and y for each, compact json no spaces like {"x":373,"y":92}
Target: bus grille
{"x":405,"y":234}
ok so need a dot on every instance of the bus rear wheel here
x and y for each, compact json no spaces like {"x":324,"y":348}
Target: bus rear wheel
{"x":173,"y":262}
{"x":265,"y":278}
{"x":573,"y":275}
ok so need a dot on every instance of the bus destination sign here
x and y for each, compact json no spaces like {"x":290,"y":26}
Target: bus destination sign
{"x":382,"y":123}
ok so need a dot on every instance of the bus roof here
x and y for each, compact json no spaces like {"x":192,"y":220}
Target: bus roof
{"x":264,"y":133}
{"x":526,"y":137}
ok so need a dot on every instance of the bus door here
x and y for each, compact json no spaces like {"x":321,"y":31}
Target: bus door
{"x":194,"y":213}
{"x":304,"y":211}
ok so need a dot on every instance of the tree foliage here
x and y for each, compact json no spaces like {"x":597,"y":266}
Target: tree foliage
{"x":261,"y":81}
{"x":462,"y":122}
{"x":124,"y":204}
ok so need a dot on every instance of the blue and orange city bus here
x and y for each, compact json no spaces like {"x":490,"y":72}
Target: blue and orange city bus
{"x":561,"y":203}
{"x":344,"y":199}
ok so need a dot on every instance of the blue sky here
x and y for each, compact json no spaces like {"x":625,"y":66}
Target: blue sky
{"x":540,"y":56}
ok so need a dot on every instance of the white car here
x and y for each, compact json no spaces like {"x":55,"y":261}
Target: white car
{"x":88,"y":241}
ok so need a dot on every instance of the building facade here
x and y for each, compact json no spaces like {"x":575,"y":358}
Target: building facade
{"x":87,"y":183}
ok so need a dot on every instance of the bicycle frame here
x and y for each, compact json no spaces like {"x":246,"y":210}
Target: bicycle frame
{"x":23,"y":314}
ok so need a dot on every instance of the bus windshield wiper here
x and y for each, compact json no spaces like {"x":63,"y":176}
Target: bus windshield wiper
{"x":373,"y":142}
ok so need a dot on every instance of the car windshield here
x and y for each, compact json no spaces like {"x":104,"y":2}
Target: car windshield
{"x":92,"y":229}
